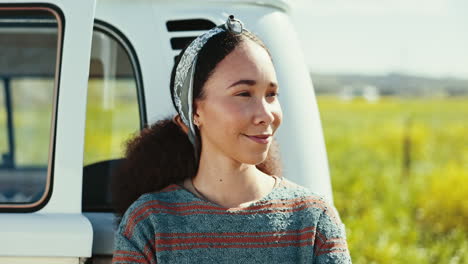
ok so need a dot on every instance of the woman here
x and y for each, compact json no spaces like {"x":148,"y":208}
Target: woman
{"x":211,"y":177}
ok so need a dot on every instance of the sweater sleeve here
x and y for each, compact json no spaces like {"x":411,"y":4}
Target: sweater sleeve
{"x":133,"y":243}
{"x":330,"y":239}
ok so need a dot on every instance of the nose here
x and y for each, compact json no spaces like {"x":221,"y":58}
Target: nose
{"x":264,"y":114}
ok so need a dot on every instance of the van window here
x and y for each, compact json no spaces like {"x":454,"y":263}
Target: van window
{"x":29,"y":51}
{"x":114,"y":113}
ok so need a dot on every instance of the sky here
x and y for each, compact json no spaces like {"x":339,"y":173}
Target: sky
{"x":421,"y":37}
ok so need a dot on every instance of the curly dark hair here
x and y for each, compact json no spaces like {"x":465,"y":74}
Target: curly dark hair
{"x":162,"y":154}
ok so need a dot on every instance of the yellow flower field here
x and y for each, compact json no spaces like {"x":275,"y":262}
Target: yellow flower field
{"x":399,"y":171}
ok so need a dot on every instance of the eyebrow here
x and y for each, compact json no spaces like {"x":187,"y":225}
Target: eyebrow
{"x":250,"y":83}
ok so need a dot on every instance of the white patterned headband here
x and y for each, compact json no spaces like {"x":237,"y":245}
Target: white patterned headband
{"x":183,"y":81}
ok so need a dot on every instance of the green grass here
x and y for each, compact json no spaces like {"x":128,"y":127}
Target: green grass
{"x":32,"y":107}
{"x":99,"y":143}
{"x":396,"y":215}
{"x":110,"y":124}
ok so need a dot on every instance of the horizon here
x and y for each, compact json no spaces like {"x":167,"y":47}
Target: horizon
{"x":385,"y":74}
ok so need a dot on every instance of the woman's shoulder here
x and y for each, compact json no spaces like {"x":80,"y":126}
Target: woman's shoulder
{"x":165,"y":199}
{"x":326,"y":216}
{"x":171,"y":194}
{"x":294,"y":190}
{"x":300,"y":195}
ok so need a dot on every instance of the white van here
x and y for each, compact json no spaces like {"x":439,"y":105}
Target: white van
{"x":77,"y":78}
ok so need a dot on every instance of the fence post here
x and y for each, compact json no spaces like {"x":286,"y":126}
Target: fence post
{"x":406,"y":168}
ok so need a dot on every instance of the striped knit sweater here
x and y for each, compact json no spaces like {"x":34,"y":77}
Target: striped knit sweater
{"x":289,"y":225}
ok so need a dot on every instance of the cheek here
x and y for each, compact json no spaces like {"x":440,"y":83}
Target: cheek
{"x":226,"y":116}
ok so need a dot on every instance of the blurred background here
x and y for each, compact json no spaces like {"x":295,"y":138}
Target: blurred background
{"x":391,"y":79}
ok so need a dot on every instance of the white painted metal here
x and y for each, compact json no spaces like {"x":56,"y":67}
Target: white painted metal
{"x":284,"y":5}
{"x":69,"y":146}
{"x":59,"y":229}
{"x":39,"y":260}
{"x":45,"y":235}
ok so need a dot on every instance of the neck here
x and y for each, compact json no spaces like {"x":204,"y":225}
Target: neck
{"x":231,"y":184}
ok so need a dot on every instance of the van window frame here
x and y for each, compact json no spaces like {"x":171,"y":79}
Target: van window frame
{"x":121,"y":39}
{"x":48,"y":188}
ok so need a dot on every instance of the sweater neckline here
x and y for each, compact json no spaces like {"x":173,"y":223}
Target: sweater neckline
{"x":278,"y":180}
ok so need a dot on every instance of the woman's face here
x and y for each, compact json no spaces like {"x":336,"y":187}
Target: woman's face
{"x":240,"y":111}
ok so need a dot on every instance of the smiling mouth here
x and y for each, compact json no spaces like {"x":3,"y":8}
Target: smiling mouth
{"x":261,"y":139}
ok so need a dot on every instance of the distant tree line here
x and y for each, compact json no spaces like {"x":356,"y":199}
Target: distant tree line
{"x":391,"y":84}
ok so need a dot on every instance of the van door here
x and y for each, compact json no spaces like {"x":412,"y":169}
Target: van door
{"x":44,"y":64}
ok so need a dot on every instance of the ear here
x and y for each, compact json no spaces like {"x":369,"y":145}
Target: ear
{"x":196,"y":120}
{"x":196,"y":116}
{"x":178,"y":121}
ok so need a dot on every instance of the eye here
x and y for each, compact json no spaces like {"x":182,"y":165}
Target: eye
{"x":273,"y":94}
{"x":244,"y":94}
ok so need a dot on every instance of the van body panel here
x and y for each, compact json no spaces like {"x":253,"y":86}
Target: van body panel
{"x":58,"y":229}
{"x":45,"y":235}
{"x":40,"y":260}
{"x":71,"y":109}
